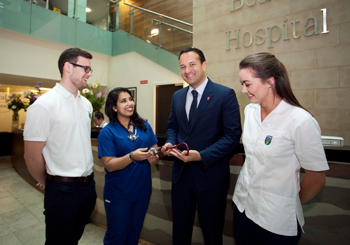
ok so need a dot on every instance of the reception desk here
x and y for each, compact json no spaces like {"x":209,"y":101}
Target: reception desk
{"x":158,"y":222}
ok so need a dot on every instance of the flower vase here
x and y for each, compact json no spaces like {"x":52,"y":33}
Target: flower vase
{"x":92,"y":120}
{"x":15,"y":118}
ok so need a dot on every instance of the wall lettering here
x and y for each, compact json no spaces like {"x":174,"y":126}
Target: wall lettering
{"x":309,"y":29}
{"x":249,"y":3}
{"x":324,"y":21}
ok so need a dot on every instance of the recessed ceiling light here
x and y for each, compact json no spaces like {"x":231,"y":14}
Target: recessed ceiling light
{"x":88,"y":10}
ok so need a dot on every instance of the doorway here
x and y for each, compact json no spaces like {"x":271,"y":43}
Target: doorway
{"x":164,"y":93}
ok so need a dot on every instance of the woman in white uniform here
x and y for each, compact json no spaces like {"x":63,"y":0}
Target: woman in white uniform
{"x":280,"y":137}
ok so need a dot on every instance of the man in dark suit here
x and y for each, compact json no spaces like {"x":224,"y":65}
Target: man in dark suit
{"x":206,"y":116}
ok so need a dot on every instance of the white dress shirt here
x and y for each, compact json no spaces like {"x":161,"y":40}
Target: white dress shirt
{"x":104,"y":124}
{"x":189,"y":96}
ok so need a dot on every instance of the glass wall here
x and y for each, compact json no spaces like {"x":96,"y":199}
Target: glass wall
{"x":59,"y":25}
{"x":163,"y":32}
{"x":64,"y":23}
{"x":6,"y":93}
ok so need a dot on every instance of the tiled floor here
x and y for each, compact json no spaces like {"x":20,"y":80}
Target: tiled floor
{"x":21,"y":212}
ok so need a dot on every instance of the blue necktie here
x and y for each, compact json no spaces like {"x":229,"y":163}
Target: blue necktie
{"x":193,"y":107}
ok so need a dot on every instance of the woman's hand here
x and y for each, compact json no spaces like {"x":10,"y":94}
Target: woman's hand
{"x":140,"y":154}
{"x":118,"y":163}
{"x":153,"y":158}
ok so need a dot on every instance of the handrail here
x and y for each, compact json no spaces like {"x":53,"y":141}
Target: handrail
{"x":172,"y":26}
{"x":113,"y":3}
{"x":162,"y":15}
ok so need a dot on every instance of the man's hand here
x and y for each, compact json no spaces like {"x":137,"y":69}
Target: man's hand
{"x":35,"y":160}
{"x":165,"y":151}
{"x":193,"y":155}
{"x":41,"y":186}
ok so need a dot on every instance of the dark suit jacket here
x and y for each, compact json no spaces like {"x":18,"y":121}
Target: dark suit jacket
{"x":215,"y":133}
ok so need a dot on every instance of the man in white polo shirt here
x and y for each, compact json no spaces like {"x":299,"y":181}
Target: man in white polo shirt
{"x":58,"y":150}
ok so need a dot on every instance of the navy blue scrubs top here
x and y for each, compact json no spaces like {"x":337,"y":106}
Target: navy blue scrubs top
{"x":133,"y":183}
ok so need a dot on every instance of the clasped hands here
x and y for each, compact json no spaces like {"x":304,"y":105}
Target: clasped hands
{"x":142,"y":154}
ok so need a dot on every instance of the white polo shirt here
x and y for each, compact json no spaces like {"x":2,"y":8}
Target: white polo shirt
{"x":64,"y":123}
{"x":268,"y":185}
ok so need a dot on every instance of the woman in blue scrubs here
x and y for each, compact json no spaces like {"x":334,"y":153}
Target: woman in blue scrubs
{"x":123,"y":146}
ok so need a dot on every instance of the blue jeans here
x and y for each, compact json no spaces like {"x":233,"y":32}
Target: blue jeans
{"x":68,"y":207}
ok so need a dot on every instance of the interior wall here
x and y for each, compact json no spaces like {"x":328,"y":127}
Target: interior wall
{"x":318,"y":64}
{"x":26,"y":59}
{"x":25,"y":55}
{"x":128,"y":70}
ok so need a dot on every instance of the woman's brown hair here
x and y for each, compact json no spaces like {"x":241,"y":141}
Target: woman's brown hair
{"x":265,"y":66}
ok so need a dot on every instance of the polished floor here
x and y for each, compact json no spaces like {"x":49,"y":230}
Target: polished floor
{"x":327,"y":215}
{"x":21,"y":212}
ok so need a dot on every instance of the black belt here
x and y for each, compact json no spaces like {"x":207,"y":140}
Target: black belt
{"x":57,"y":178}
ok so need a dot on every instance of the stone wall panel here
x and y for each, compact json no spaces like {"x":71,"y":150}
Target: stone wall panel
{"x":332,"y":98}
{"x":344,"y":33}
{"x":198,"y":15}
{"x":301,"y":60}
{"x":301,"y":5}
{"x":332,"y":56}
{"x":305,"y":98}
{"x":345,"y":76}
{"x":315,"y":78}
{"x":327,"y":119}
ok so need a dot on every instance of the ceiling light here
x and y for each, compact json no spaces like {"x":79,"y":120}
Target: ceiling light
{"x":88,"y":10}
{"x":155,"y":32}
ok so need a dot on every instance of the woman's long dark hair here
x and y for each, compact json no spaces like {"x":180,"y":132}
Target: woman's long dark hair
{"x":112,"y":99}
{"x":266,"y":65}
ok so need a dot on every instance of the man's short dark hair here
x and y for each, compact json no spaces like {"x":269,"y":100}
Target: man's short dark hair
{"x":71,"y":55}
{"x":99,"y":115}
{"x":196,"y":50}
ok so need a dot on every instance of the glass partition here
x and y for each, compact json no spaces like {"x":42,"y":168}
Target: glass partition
{"x":53,"y":26}
{"x":15,"y":15}
{"x":175,"y":36}
{"x":156,"y":29}
{"x":64,"y":24}
{"x":60,"y":21}
{"x":97,"y":13}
